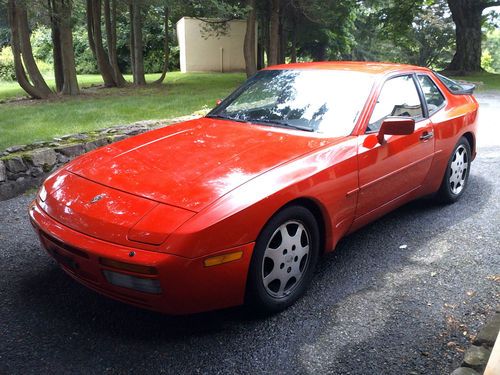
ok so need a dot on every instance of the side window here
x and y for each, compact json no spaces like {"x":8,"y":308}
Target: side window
{"x":398,"y":97}
{"x":433,"y":96}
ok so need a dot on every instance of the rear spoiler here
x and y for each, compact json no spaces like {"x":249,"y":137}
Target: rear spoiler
{"x":467,"y":89}
{"x":457,"y":88}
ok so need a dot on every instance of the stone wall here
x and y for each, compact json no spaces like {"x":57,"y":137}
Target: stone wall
{"x":476,"y":357}
{"x":24,"y":167}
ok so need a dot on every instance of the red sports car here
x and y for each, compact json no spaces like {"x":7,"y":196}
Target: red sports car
{"x":236,"y":207}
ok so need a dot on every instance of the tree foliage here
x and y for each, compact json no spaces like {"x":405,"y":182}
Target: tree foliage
{"x":113,"y":37}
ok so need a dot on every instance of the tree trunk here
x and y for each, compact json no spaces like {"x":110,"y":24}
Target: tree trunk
{"x":27,"y":53}
{"x":467,"y":17}
{"x":274,"y":35}
{"x":263,"y":52}
{"x":90,"y":28}
{"x":282,"y":43}
{"x":100,"y":53}
{"x":17,"y":17}
{"x":293,"y":50}
{"x":139,"y":78}
{"x":249,"y":44}
{"x":110,"y":23}
{"x":131,"y":38}
{"x":70,"y":86}
{"x":166,"y":48}
{"x":56,"y":44}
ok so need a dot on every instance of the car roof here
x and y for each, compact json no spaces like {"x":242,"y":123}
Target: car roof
{"x":376,"y":68}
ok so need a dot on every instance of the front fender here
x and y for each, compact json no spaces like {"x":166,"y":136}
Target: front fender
{"x":327,"y":176}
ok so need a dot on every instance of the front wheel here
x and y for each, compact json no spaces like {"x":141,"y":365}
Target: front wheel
{"x":284,"y":259}
{"x":457,"y":173}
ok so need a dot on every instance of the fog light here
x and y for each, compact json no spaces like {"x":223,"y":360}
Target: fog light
{"x":133,"y":282}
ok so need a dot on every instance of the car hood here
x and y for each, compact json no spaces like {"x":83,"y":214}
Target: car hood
{"x":192,"y":164}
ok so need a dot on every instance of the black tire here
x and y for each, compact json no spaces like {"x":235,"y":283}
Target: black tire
{"x":265,"y":297}
{"x":448,"y":192}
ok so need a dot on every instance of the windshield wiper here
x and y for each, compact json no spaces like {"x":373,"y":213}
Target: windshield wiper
{"x":277,"y":123}
{"x":221,"y":117}
{"x":283,"y":124}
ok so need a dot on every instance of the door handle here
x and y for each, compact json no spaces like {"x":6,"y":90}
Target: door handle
{"x":426,"y":135}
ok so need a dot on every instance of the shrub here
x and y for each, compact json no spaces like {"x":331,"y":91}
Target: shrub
{"x":153,"y":60}
{"x":7,"y":71}
{"x":41,"y":43}
{"x":487,"y":61}
{"x":85,"y":62}
{"x":174,"y":59}
{"x":47,"y":69}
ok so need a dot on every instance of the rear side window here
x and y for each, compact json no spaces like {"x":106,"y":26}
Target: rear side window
{"x":433,"y":96}
{"x":398,"y":97}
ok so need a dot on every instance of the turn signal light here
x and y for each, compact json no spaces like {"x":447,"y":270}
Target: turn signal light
{"x":137,"y":268}
{"x":220,"y":259}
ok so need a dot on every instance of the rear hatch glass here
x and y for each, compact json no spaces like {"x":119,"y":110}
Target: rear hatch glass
{"x":457,"y":88}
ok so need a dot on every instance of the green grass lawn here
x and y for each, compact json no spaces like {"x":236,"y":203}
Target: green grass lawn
{"x":26,"y":121}
{"x":11,"y":90}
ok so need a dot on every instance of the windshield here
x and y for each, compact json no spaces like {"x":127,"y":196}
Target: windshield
{"x":323,"y":101}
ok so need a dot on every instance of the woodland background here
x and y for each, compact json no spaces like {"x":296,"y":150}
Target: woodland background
{"x":64,"y":38}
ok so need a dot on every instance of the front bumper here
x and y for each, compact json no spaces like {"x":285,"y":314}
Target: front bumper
{"x":187,"y":286}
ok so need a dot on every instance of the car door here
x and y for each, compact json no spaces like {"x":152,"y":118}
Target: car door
{"x":391,"y":171}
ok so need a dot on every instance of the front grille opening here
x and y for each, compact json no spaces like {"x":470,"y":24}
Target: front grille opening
{"x":62,"y":245}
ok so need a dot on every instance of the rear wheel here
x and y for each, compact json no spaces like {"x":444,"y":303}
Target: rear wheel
{"x":284,"y":259}
{"x":457,"y":173}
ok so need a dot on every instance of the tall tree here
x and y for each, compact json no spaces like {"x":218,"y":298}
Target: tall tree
{"x":433,"y":32}
{"x":293,"y":46}
{"x":64,"y":56}
{"x":263,"y":17}
{"x":94,"y":29}
{"x":467,"y":15}
{"x":166,"y":47}
{"x":286,"y":11}
{"x":25,"y":65}
{"x":136,"y":48}
{"x":317,"y":29}
{"x":70,"y":86}
{"x":110,"y":24}
{"x":274,"y":32}
{"x":249,"y":43}
{"x":131,"y":39}
{"x":407,"y":31}
{"x":56,"y":43}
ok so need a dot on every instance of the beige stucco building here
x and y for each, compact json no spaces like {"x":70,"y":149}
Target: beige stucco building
{"x":202,"y":51}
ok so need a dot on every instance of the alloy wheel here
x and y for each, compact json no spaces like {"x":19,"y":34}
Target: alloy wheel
{"x":458,"y":170}
{"x":285,"y":259}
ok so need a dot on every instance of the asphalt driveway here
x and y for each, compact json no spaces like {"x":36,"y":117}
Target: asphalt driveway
{"x":401,"y":296}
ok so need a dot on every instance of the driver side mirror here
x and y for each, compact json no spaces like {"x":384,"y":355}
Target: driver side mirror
{"x":396,"y":126}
